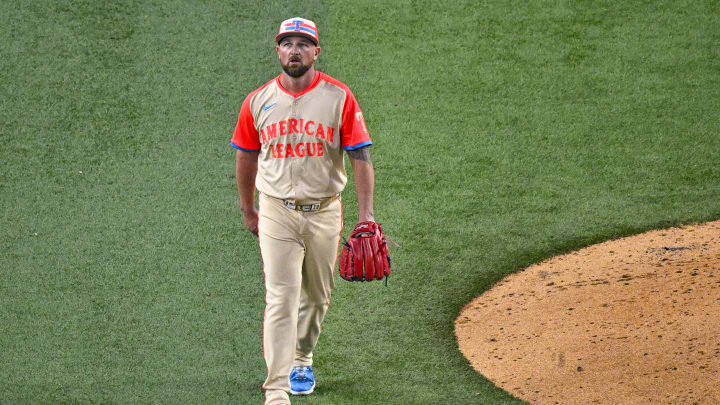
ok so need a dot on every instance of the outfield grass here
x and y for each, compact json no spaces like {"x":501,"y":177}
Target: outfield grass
{"x":505,"y":132}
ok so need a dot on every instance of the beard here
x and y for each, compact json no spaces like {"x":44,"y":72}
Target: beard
{"x":297,"y":70}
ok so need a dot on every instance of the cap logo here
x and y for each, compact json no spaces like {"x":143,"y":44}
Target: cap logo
{"x":298,"y":25}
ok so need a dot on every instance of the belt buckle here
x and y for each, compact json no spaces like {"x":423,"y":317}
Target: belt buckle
{"x":303,"y":208}
{"x":308,"y":208}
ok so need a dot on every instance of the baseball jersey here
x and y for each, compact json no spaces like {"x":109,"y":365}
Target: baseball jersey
{"x":301,"y":137}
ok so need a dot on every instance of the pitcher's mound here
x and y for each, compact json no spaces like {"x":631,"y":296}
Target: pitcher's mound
{"x":630,"y":321}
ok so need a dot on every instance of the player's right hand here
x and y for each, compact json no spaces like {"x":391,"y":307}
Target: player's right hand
{"x":250,"y":217}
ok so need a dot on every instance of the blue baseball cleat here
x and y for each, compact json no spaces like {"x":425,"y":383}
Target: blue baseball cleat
{"x":302,"y":381}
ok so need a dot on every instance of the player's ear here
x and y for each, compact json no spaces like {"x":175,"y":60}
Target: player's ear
{"x":317,"y":52}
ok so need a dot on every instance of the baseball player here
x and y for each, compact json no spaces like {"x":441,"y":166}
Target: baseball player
{"x":290,"y":138}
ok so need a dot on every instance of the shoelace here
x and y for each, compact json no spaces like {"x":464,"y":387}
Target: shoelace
{"x":301,"y":373}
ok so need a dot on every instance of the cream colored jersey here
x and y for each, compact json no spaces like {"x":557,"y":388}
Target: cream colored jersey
{"x":301,"y":137}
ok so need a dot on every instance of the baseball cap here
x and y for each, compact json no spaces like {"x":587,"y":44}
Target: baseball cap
{"x":297,"y":26}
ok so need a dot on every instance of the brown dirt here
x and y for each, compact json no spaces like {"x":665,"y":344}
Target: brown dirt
{"x":630,"y":321}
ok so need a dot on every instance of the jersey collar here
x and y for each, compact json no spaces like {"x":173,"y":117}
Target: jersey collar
{"x":312,"y":85}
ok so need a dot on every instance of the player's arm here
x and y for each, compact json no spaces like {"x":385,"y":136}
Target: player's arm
{"x":246,"y":166}
{"x":364,"y":175}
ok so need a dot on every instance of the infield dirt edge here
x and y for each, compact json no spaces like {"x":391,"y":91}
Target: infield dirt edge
{"x":633,"y":318}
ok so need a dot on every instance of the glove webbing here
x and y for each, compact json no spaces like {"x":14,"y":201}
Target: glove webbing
{"x":346,"y":244}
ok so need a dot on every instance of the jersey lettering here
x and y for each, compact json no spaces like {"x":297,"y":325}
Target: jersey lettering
{"x":271,"y":131}
{"x":285,"y":151}
{"x":292,"y":126}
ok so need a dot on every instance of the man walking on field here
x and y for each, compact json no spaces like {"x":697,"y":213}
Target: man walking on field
{"x":290,"y":138}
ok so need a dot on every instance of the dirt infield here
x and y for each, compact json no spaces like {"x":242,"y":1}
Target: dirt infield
{"x":630,"y":321}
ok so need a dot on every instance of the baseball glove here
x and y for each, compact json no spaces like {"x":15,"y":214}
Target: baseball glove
{"x":365,"y":255}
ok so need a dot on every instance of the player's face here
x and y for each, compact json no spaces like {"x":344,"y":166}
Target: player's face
{"x":297,"y":55}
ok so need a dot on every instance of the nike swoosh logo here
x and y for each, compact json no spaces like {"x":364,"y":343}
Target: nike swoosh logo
{"x":267,"y":107}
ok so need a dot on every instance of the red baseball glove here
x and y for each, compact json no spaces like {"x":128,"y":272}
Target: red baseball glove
{"x":365,"y":255}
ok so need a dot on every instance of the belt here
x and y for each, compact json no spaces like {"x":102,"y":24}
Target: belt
{"x":290,"y":204}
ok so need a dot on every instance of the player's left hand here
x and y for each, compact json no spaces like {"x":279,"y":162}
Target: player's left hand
{"x":365,"y":255}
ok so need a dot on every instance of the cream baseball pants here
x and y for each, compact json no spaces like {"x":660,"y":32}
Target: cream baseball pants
{"x":298,"y":250}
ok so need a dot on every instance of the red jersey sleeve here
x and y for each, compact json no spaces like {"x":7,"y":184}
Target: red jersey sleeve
{"x":246,"y":137}
{"x":354,"y":133}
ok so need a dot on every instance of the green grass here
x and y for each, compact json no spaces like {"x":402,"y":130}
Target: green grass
{"x":505,"y":132}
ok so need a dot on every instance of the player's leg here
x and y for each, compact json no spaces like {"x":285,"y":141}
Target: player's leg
{"x":282,"y":257}
{"x":322,"y":236}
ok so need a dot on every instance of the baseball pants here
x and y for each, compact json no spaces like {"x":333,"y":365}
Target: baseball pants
{"x":299,"y":250}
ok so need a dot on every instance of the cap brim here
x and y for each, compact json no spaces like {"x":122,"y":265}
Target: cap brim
{"x":280,"y":37}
